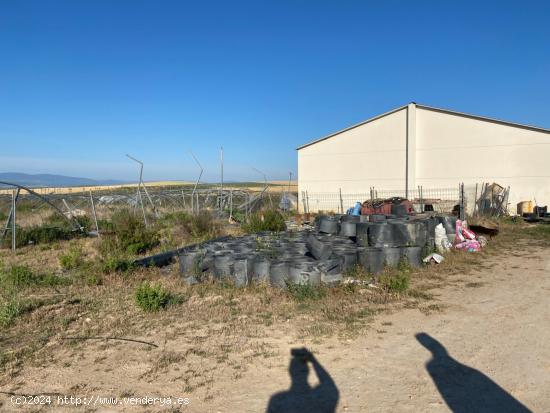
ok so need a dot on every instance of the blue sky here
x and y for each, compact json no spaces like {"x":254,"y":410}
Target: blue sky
{"x":82,"y":83}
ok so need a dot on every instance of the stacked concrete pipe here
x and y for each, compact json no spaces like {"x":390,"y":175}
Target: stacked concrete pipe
{"x":313,"y":257}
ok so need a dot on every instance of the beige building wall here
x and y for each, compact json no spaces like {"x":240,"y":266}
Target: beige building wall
{"x":418,"y":145}
{"x":369,"y":154}
{"x":451,"y":148}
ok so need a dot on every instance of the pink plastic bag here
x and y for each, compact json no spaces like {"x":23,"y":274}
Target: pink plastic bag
{"x":469,"y":245}
{"x":458,"y":232}
{"x":462,"y":232}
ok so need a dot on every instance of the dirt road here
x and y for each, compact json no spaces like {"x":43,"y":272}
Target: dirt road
{"x":495,"y":321}
{"x":483,"y":347}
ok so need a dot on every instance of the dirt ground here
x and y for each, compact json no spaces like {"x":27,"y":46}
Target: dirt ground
{"x":487,"y":331}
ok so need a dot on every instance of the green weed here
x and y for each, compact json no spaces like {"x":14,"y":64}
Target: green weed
{"x":306,"y":292}
{"x":72,"y":259}
{"x":267,"y":220}
{"x":151,"y":297}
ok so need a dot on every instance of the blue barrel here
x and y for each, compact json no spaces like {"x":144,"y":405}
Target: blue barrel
{"x":357,"y":209}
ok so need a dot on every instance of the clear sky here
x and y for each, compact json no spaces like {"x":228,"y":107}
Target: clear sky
{"x":82,"y":83}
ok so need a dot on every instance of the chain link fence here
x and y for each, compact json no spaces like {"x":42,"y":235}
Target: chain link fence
{"x":41,"y":208}
{"x":442,"y":199}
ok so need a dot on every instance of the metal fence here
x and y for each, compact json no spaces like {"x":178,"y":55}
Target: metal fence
{"x":22,"y":207}
{"x":442,"y":199}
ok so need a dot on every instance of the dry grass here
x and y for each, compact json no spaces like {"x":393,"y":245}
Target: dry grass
{"x":213,"y":324}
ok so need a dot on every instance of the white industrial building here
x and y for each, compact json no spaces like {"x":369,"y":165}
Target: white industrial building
{"x":417,"y":145}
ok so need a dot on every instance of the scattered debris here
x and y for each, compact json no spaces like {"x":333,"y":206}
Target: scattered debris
{"x":434,"y":258}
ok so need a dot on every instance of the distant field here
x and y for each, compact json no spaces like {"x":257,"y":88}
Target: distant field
{"x":276,"y":186}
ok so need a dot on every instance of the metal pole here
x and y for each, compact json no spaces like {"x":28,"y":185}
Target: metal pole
{"x":13,"y":218}
{"x":341,"y":201}
{"x":197,"y":181}
{"x":462,"y":201}
{"x":7,"y":226}
{"x":93,"y":211}
{"x":140,"y":198}
{"x":221,"y":181}
{"x":289,"y":181}
{"x":307,"y":200}
{"x":231,"y":204}
{"x":475,"y":202}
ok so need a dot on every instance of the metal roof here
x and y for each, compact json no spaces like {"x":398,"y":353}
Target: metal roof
{"x":447,"y":111}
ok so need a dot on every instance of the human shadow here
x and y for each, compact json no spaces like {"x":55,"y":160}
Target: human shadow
{"x":463,"y":388}
{"x":301,"y":397}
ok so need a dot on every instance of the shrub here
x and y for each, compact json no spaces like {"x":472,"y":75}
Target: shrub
{"x":115,"y":263}
{"x":201,"y":226}
{"x":399,"y":280}
{"x":267,"y":220}
{"x":72,"y":259}
{"x":129,"y":236}
{"x":151,"y":297}
{"x":39,"y":235}
{"x":19,"y":276}
{"x":10,"y":309}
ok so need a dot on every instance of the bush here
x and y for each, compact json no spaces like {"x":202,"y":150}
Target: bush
{"x":10,"y":309}
{"x":399,"y":281}
{"x":39,"y":235}
{"x":72,"y":259}
{"x":115,"y":263}
{"x":19,"y":276}
{"x":201,"y":226}
{"x":268,"y":220}
{"x":130,"y":235}
{"x":151,"y":297}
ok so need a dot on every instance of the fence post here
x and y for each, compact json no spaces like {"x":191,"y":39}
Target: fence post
{"x":341,"y":201}
{"x":462,"y":201}
{"x":475,"y":202}
{"x":307,"y":202}
{"x":183,"y":198}
{"x":13,"y":217}
{"x":93,"y":211}
{"x":231,"y":203}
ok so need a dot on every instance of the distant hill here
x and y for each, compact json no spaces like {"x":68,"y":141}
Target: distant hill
{"x":49,"y":180}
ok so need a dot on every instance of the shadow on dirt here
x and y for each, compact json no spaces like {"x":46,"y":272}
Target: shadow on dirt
{"x":301,"y":397}
{"x":464,"y":389}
